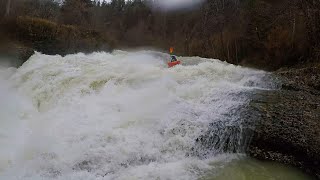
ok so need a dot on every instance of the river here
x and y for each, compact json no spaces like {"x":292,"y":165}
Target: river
{"x":125,"y":115}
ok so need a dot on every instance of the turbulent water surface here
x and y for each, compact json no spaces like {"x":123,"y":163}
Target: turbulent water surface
{"x":123,"y":115}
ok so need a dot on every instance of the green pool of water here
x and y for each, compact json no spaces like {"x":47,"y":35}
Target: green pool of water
{"x":250,"y":169}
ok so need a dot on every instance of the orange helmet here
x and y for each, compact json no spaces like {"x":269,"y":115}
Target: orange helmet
{"x":171,"y":49}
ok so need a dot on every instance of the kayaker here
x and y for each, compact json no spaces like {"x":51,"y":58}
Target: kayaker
{"x":173,"y":57}
{"x":174,"y":61}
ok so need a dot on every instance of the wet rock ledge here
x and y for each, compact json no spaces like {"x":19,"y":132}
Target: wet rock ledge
{"x":14,"y":54}
{"x":288,"y":120}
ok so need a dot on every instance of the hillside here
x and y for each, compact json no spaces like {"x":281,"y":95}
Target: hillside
{"x":265,"y":34}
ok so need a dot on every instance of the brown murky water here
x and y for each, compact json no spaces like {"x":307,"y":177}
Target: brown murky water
{"x":250,"y":169}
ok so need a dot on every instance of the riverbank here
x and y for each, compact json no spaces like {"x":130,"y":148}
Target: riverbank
{"x":24,"y":35}
{"x":288,"y":120}
{"x":261,"y":34}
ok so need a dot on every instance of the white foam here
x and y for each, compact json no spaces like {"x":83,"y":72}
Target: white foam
{"x":115,"y":116}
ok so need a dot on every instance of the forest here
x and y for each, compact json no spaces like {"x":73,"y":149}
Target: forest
{"x":268,"y":34}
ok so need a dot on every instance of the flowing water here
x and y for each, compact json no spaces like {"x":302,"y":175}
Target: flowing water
{"x":249,"y":169}
{"x":121,"y":115}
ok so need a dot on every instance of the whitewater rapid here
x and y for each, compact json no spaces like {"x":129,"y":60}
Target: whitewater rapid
{"x":120,"y":115}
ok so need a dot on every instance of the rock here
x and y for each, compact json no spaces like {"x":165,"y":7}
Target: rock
{"x":15,"y":55}
{"x":23,"y":54}
{"x":306,"y":79}
{"x":287,"y":128}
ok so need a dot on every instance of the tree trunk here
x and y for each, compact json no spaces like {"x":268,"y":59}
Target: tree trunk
{"x":8,"y":8}
{"x":293,"y":30}
{"x":235,"y":43}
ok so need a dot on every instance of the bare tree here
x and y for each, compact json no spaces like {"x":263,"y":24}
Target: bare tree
{"x":8,"y":8}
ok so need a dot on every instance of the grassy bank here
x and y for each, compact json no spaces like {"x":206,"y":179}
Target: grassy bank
{"x":52,"y":38}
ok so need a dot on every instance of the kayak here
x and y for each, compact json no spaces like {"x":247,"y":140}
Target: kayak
{"x":174,"y":63}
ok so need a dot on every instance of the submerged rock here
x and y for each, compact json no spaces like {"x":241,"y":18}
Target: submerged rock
{"x":287,"y":128}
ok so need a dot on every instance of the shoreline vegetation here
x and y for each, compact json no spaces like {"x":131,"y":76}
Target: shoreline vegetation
{"x":263,"y":34}
{"x":282,"y":36}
